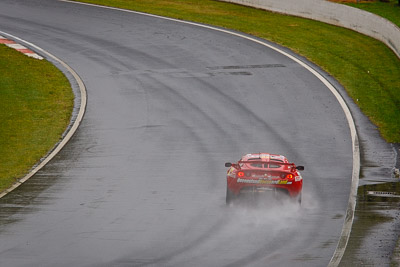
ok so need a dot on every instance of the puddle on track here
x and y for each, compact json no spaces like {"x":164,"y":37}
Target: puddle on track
{"x":376,"y":227}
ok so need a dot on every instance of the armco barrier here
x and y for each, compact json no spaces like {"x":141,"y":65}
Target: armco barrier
{"x":336,"y":14}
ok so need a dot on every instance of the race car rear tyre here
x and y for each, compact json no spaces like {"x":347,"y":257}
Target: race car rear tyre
{"x":229,"y":196}
{"x":296,"y":199}
{"x":299,"y":199}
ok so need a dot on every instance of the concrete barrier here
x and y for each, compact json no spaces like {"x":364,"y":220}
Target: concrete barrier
{"x":336,"y":14}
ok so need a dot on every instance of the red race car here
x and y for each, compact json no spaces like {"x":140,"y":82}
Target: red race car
{"x":261,"y":173}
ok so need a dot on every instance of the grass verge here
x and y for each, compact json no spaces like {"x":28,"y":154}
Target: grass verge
{"x":368,"y":69}
{"x":36,"y":103}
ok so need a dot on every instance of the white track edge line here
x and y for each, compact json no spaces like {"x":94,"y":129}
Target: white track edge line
{"x":71,"y":131}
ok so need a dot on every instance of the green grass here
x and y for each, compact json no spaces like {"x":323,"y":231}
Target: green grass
{"x":389,"y":10}
{"x":36,"y":102}
{"x":368,"y":69}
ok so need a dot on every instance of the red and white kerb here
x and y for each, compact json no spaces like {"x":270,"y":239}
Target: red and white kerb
{"x":20,"y":48}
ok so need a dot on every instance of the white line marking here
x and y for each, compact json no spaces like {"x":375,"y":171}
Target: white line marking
{"x":34,"y":55}
{"x":16,"y":46}
{"x":71,"y":130}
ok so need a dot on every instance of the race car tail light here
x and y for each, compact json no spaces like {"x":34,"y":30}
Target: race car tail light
{"x":240,"y":174}
{"x":289,"y":176}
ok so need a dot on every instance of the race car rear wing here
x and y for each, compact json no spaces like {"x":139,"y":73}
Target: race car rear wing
{"x":237,"y":165}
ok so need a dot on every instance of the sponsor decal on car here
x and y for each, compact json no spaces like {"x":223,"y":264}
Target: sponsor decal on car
{"x":266,"y":175}
{"x":231,"y":172}
{"x":252,"y":181}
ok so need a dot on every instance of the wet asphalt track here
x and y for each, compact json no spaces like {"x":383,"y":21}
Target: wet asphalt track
{"x":143,"y":180}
